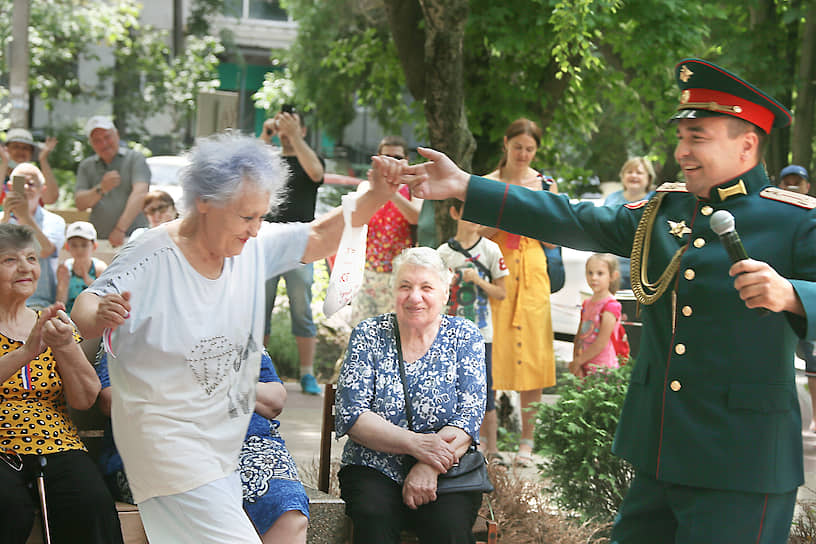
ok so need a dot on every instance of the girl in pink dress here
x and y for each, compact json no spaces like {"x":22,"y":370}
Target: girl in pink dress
{"x":592,"y":349}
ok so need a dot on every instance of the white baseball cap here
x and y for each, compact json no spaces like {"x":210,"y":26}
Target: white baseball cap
{"x":20,"y":135}
{"x":81,"y":229}
{"x":98,"y":121}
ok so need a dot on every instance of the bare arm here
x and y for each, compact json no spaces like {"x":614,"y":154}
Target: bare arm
{"x":375,"y":433}
{"x":495,"y":290}
{"x":270,"y":399}
{"x":63,"y":281}
{"x":408,"y":208}
{"x":51,"y":189}
{"x":326,"y":230}
{"x":93,"y":314}
{"x":134,"y":205}
{"x":19,"y":205}
{"x":289,"y":125}
{"x":608,"y":321}
{"x":80,"y":383}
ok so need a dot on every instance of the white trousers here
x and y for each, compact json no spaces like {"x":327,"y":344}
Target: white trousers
{"x":210,"y":514}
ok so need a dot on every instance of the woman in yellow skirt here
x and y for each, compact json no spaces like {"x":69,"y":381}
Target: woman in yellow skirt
{"x":523,"y":356}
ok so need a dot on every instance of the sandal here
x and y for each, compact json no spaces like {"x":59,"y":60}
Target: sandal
{"x":524,"y":460}
{"x":497,"y":459}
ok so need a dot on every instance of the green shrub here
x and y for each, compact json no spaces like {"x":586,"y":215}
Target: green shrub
{"x":575,"y":435}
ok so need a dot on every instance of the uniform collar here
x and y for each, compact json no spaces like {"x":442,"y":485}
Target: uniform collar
{"x":746,"y":183}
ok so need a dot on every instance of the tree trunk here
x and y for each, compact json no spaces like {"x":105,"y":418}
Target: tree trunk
{"x":18,"y":77}
{"x":806,"y":94}
{"x":444,"y":91}
{"x":433,"y":62}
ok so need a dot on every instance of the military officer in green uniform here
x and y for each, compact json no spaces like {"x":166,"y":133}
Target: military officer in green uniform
{"x":711,"y":421}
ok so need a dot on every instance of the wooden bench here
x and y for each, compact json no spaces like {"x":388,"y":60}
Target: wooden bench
{"x":90,"y":424}
{"x":487,"y":528}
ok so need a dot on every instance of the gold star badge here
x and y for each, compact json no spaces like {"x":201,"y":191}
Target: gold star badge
{"x":678,"y":229}
{"x":685,"y":74}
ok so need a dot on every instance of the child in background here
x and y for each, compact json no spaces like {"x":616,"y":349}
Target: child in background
{"x":592,"y":349}
{"x":479,"y":274}
{"x":82,"y":268}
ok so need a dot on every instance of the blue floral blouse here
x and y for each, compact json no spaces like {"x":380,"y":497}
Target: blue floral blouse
{"x":446,"y":386}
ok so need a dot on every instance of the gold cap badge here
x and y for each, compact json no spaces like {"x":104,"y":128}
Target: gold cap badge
{"x":685,"y":74}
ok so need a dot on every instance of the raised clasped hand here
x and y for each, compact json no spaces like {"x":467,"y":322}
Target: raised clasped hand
{"x":57,"y":331}
{"x":436,"y":179}
{"x":110,"y":181}
{"x":113,"y":310}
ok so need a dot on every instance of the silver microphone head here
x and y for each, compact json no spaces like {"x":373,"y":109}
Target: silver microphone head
{"x":722,"y":222}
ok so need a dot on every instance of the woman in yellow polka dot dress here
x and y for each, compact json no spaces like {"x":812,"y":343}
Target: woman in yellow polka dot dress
{"x":41,"y":368}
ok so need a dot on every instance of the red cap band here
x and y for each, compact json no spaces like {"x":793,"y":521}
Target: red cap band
{"x":730,"y":105}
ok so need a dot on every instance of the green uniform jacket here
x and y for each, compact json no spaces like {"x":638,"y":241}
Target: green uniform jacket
{"x":712,"y":402}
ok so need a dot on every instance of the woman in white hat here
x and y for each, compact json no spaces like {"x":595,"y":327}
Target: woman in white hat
{"x":19,"y":148}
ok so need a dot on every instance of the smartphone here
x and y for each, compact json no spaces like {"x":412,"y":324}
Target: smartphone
{"x":18,"y":184}
{"x":288,"y":108}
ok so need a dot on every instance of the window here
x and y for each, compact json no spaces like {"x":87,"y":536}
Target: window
{"x":268,"y":10}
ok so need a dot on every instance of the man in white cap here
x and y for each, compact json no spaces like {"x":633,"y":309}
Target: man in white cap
{"x":113,"y":183}
{"x":20,"y":147}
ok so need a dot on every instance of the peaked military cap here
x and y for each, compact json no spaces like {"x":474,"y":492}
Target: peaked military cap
{"x":708,"y":90}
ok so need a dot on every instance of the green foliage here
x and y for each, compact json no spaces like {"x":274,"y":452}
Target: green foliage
{"x":575,"y":434}
{"x":146,"y":77}
{"x":281,"y":345}
{"x":342,"y":58}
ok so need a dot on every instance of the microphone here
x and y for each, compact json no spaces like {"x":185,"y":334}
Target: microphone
{"x":722,"y":223}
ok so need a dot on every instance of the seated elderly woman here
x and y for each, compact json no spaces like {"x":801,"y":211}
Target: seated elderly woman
{"x":42,"y":367}
{"x":179,"y":307}
{"x":388,"y":476}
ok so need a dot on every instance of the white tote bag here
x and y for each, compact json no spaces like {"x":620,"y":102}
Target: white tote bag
{"x":347,"y":274}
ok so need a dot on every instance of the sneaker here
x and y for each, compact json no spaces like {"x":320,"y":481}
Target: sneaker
{"x":309,"y":385}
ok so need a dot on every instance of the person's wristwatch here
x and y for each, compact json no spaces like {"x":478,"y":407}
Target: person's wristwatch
{"x":99,"y":190}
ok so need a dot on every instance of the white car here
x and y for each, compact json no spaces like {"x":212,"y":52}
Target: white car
{"x":164,"y":174}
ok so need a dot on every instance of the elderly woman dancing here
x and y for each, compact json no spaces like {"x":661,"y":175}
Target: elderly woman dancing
{"x":42,"y":367}
{"x":444,"y":382}
{"x":185,"y":301}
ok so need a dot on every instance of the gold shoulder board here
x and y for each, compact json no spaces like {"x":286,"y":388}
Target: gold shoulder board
{"x":672,"y":187}
{"x":789,"y":197}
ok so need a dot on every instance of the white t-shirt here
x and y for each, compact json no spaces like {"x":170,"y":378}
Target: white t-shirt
{"x":188,"y":356}
{"x":465,"y":299}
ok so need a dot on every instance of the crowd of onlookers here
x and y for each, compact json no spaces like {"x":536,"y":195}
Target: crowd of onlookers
{"x":174,"y":326}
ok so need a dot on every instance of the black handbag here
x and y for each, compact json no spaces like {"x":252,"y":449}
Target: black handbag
{"x":470,"y":473}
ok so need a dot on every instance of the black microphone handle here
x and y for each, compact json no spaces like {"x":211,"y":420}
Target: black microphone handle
{"x":733,"y":246}
{"x":736,"y":252}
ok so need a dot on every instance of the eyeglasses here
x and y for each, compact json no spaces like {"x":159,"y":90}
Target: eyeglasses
{"x":13,"y":460}
{"x":398,"y":157}
{"x":161,"y":208}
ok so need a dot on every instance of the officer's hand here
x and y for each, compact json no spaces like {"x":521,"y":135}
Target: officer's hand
{"x":437,"y":179}
{"x":760,"y":286}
